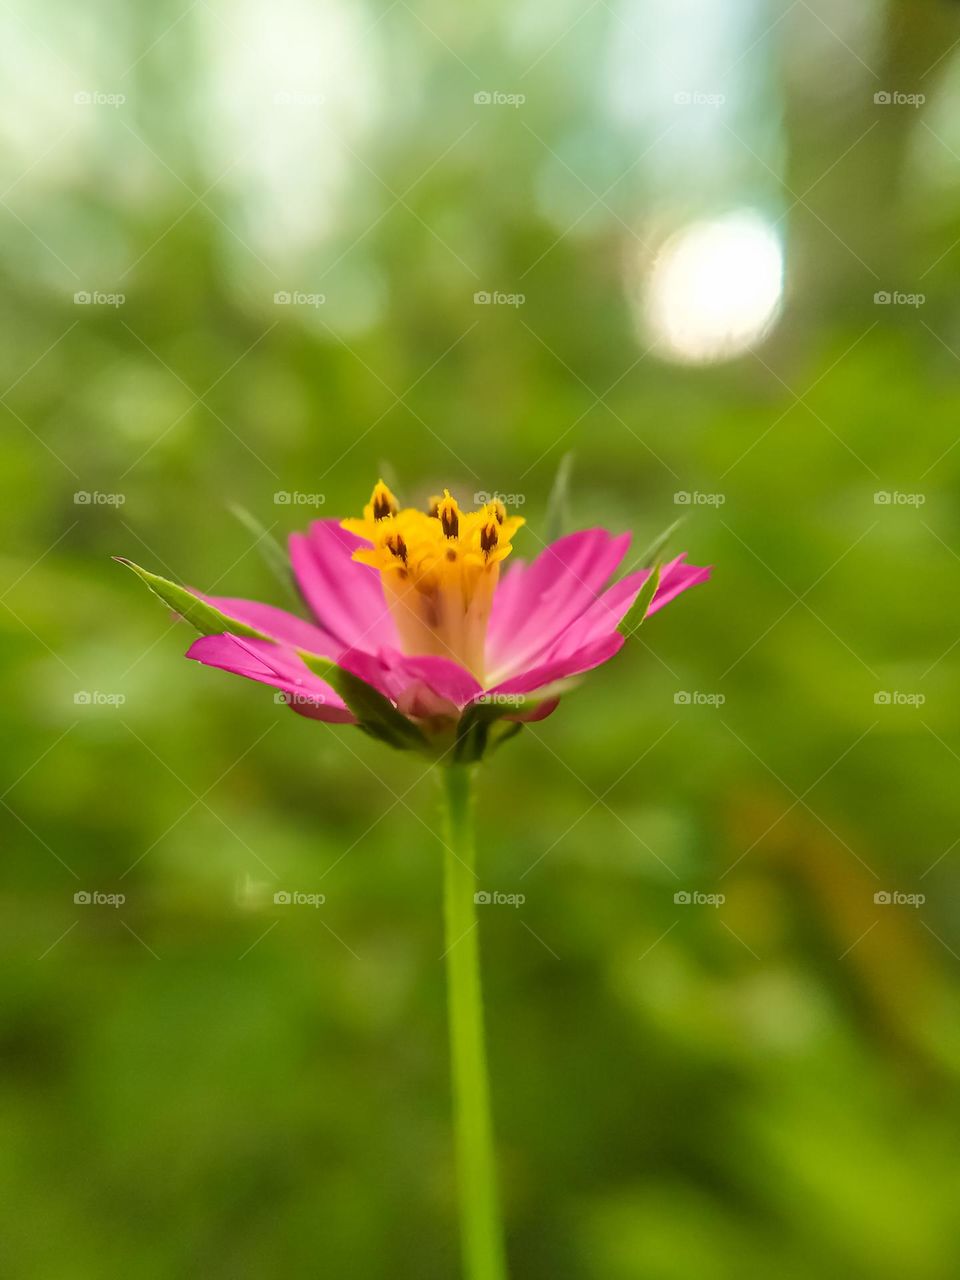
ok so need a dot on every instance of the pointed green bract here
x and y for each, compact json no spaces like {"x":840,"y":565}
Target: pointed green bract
{"x":271,"y":552}
{"x":207,"y":619}
{"x":558,"y":504}
{"x":652,"y":553}
{"x":476,"y":723}
{"x":376,"y":714}
{"x":633,"y":619}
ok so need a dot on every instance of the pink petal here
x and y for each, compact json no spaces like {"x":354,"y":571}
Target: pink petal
{"x":538,"y":602}
{"x":539,"y":712}
{"x":420,"y":701}
{"x":269,"y":664}
{"x":394,"y":674}
{"x":676,"y":577}
{"x":345,"y":597}
{"x":607,"y":611}
{"x":546,"y":672}
{"x":445,"y":677}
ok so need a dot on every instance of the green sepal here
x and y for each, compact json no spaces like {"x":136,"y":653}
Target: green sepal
{"x":503,"y":732}
{"x":632,"y":620}
{"x":474,"y":727}
{"x":206,"y":618}
{"x":376,"y":715}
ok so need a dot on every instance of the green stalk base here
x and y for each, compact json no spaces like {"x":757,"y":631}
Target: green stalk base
{"x":481,"y":1230}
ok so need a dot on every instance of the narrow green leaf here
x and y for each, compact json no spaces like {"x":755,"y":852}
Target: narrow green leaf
{"x":270,"y":550}
{"x":557,"y":520}
{"x":652,"y":553}
{"x":376,"y":714}
{"x":633,"y":619}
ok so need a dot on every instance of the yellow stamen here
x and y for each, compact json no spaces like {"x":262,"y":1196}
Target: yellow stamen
{"x":448,"y":513}
{"x":382,"y":503}
{"x":439,"y":570}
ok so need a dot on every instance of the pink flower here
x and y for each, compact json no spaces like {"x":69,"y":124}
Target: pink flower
{"x":414,"y":631}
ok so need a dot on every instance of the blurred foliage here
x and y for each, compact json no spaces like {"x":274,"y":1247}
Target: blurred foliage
{"x":199,"y":1082}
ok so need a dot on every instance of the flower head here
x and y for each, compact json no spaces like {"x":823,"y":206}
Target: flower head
{"x":417,"y":633}
{"x":439,"y":570}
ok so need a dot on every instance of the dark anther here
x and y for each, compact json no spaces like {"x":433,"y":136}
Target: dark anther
{"x":488,"y":537}
{"x":382,"y":506}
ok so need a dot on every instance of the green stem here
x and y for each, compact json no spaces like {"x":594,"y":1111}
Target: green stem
{"x":481,"y":1231}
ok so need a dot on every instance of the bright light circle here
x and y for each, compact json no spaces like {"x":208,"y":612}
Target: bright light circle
{"x":715,"y":288}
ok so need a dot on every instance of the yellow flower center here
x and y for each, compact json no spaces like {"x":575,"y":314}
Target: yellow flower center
{"x":439,"y":570}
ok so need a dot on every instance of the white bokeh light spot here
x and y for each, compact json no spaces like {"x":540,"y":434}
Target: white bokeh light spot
{"x":715,"y":288}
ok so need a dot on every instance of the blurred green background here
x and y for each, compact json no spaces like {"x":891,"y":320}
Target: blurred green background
{"x":199,"y":1082}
